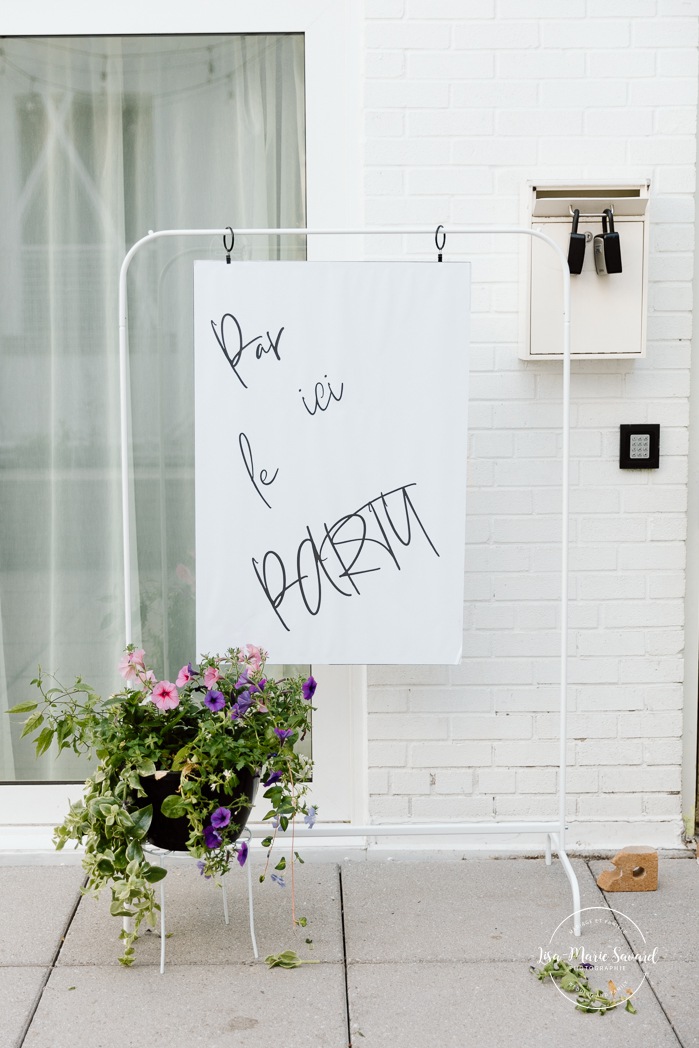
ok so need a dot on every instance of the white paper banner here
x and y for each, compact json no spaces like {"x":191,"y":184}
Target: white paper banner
{"x":330,"y":444}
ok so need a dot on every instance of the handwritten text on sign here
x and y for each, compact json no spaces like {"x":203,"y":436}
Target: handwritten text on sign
{"x":330,"y":459}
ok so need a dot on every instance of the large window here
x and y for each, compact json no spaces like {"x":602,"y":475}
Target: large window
{"x":105,"y":138}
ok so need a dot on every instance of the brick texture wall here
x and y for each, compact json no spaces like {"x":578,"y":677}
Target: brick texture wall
{"x":465,"y":102}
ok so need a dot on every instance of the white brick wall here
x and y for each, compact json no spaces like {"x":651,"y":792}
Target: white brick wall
{"x":465,"y":102}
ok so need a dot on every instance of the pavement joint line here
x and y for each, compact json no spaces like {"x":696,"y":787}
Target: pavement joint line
{"x":647,"y":979}
{"x":344,"y":959}
{"x":50,"y":968}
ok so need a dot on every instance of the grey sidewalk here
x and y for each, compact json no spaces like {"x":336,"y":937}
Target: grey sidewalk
{"x":431,"y":954}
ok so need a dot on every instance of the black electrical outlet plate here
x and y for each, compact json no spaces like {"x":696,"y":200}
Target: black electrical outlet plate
{"x":639,"y":446}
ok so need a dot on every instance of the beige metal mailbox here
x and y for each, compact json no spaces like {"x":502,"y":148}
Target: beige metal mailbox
{"x":608,"y":311}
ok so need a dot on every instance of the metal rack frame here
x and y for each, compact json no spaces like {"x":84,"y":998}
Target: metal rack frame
{"x":554,"y":829}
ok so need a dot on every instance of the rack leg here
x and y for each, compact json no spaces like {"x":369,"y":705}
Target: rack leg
{"x":575,"y":887}
{"x":162,"y":924}
{"x":162,"y":928}
{"x":251,"y":910}
{"x":548,"y":849}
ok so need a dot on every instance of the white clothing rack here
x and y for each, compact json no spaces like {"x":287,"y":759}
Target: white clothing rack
{"x":553,"y":829}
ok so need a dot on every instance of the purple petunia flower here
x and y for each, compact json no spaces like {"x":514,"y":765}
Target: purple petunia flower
{"x":278,"y":880}
{"x":283,"y":733}
{"x":309,"y":688}
{"x":202,"y":866}
{"x":274,"y":777}
{"x":214,"y":700}
{"x":310,"y":819}
{"x":220,"y":818}
{"x":242,"y":853}
{"x":211,"y":838}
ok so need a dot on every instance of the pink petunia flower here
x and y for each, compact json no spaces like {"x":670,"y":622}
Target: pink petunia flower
{"x":130,"y":662}
{"x":253,"y":656}
{"x":185,"y":674}
{"x":211,"y":675}
{"x":165,"y":695}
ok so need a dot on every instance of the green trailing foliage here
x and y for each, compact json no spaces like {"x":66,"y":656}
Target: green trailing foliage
{"x":576,"y":981}
{"x":222,"y":718}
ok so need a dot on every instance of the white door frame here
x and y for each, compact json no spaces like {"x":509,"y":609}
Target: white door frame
{"x":332,"y":32}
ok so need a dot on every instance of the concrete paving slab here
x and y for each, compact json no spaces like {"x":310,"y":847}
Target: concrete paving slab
{"x":666,"y":918}
{"x":489,"y":1004}
{"x":675,"y":985}
{"x":195,"y":926}
{"x":476,"y":909}
{"x":35,"y":906}
{"x":19,"y":990}
{"x":190,"y":1006}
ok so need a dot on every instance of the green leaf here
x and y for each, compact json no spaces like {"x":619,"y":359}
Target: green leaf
{"x":141,"y":821}
{"x":117,"y":909}
{"x":114,"y":700}
{"x":283,"y":822}
{"x":173,"y":807}
{"x":287,"y":959}
{"x":32,"y":724}
{"x":146,"y":767}
{"x":134,"y":851}
{"x":629,"y":1007}
{"x":120,"y":860}
{"x":298,"y":858}
{"x":302,"y":922}
{"x":155,"y":874}
{"x":267,"y":842}
{"x":23,"y":707}
{"x":569,"y":983}
{"x":180,"y":758}
{"x":105,"y":867}
{"x":63,"y":731}
{"x":44,"y":741}
{"x":281,"y":865}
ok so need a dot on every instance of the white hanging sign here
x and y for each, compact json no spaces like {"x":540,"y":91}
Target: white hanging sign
{"x":330,"y":458}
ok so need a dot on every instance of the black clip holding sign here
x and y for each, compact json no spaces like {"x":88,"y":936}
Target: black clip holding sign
{"x":226,"y":248}
{"x":440,"y":249}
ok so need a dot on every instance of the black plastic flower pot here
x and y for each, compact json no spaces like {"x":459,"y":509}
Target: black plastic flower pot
{"x":173,"y":834}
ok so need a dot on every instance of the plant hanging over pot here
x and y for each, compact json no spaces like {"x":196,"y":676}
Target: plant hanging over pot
{"x":181,"y":758}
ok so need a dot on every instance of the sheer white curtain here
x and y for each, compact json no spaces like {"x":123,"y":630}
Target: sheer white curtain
{"x":103,"y":139}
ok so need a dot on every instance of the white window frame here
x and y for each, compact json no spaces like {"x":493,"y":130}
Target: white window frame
{"x":332,"y":31}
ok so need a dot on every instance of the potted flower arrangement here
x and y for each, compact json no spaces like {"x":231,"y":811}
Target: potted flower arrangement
{"x":179,"y":764}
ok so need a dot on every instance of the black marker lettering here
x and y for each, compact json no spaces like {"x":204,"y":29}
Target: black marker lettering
{"x":349,"y":541}
{"x":246,"y":452}
{"x":319,"y":397}
{"x":234,"y":359}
